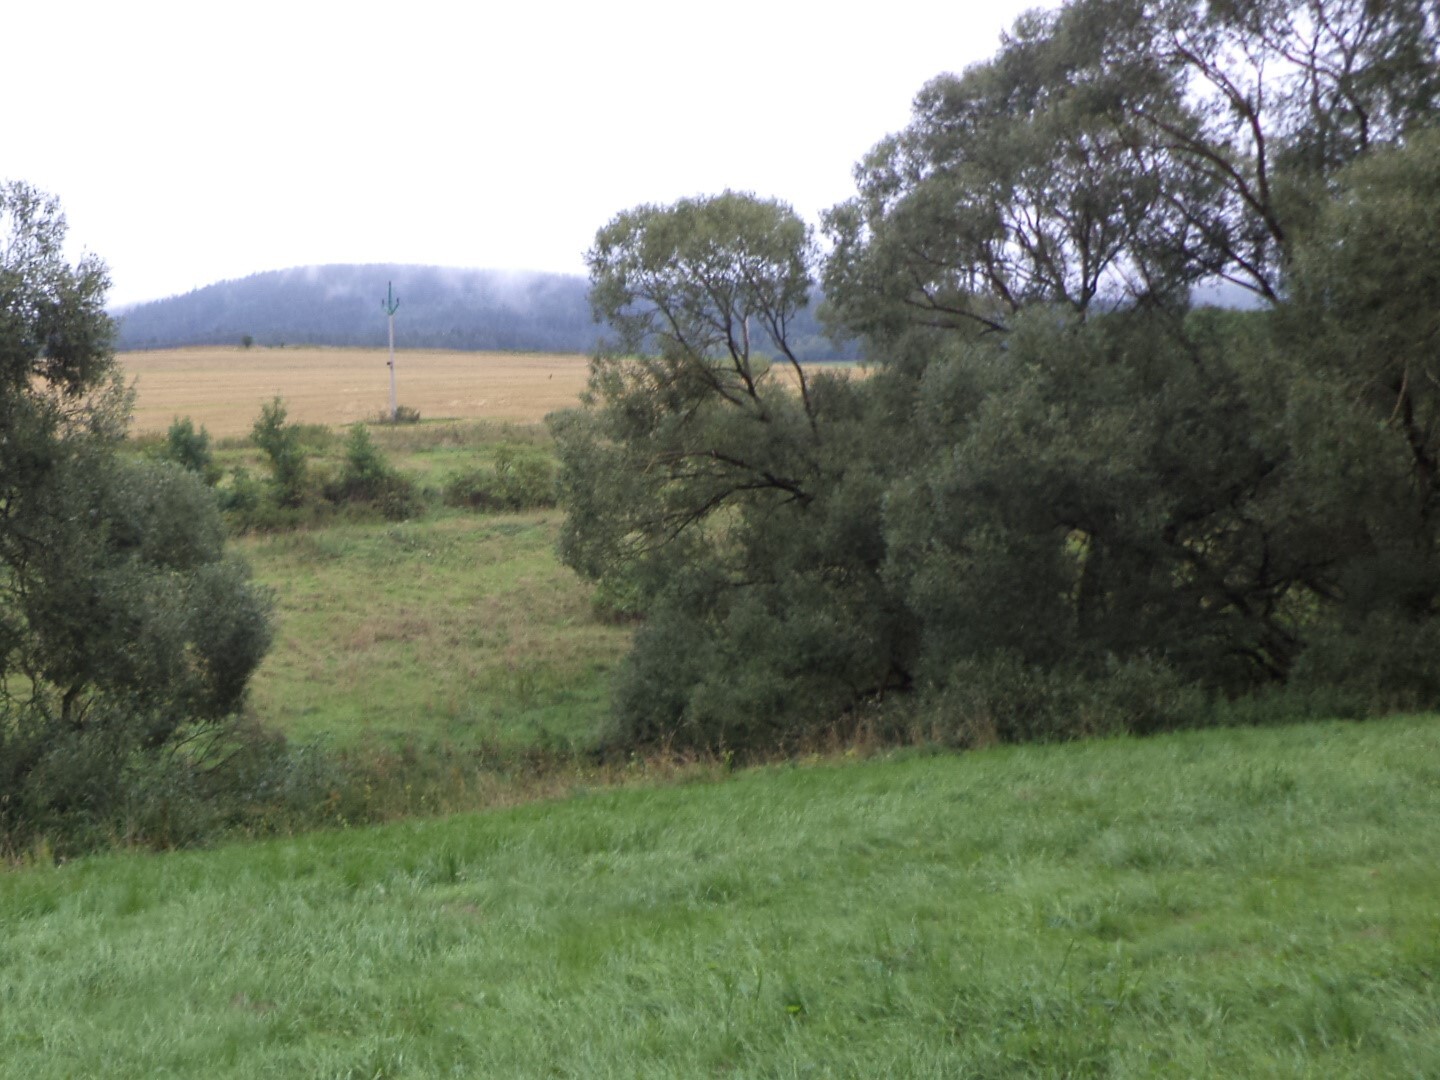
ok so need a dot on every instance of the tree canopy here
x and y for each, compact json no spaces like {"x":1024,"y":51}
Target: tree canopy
{"x":1124,"y":150}
{"x":124,"y":627}
{"x":1062,"y":500}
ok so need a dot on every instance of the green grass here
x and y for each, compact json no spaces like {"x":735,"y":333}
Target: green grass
{"x":459,"y":628}
{"x":455,"y":628}
{"x":429,"y":452}
{"x":1226,"y":903}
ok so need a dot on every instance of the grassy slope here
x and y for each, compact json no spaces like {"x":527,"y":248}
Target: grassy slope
{"x":1226,"y":903}
{"x":456,"y":628}
{"x":462,"y":629}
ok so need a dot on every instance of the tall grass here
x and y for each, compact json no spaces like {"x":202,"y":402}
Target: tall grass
{"x":460,"y":628}
{"x":1224,"y":903}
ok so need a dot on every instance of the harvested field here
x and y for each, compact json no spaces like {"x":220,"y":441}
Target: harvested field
{"x":223,"y":387}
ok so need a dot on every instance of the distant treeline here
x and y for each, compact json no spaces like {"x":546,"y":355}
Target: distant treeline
{"x":440,"y":308}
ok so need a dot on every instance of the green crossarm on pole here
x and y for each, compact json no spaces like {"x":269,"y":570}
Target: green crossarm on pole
{"x":390,"y":303}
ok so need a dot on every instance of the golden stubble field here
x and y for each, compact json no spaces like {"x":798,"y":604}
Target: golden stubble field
{"x":223,"y":387}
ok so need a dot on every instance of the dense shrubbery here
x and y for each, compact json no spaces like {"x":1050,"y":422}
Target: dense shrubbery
{"x":515,"y":481}
{"x":281,"y":444}
{"x":1062,"y":503}
{"x":404,"y":414}
{"x":298,"y":493}
{"x":367,"y":478}
{"x":127,"y":634}
{"x":190,"y":449}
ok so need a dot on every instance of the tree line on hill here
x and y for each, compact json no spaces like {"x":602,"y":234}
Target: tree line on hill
{"x":1065,"y":502}
{"x":441,"y":308}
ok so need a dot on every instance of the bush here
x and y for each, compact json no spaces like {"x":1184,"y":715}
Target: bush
{"x":1001,"y":699}
{"x":515,"y":482}
{"x":1382,"y":663}
{"x":190,"y":449}
{"x":618,"y":600}
{"x":404,"y":414}
{"x":281,"y":443}
{"x":136,"y":634}
{"x":295,"y":497}
{"x":367,"y":478}
{"x":237,"y":778}
{"x":249,"y":505}
{"x":243,"y":495}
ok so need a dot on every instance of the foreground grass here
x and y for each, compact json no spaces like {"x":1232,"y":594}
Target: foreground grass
{"x":1243,"y":903}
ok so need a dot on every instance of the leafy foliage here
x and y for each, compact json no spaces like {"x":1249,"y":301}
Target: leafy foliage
{"x":515,"y":482}
{"x":190,"y":449}
{"x":367,"y":478}
{"x":126,"y":633}
{"x":1125,"y":150}
{"x":1063,"y":503}
{"x":281,"y":443}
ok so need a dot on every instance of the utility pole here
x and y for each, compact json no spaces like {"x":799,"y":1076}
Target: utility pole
{"x":390,"y":303}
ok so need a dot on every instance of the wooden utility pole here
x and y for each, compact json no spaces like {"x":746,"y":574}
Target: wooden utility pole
{"x":390,"y":303}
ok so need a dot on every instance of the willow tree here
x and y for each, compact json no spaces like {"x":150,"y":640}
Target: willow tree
{"x":124,"y":627}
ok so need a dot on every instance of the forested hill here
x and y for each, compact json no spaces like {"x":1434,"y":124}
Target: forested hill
{"x":342,"y":305}
{"x":439,"y":308}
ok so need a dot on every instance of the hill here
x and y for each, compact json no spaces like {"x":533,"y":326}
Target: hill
{"x":341,"y":305}
{"x":440,"y":308}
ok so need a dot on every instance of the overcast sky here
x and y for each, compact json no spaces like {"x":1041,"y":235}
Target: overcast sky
{"x":193,"y":142}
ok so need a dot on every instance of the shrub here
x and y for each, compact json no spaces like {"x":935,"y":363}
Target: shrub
{"x":136,"y":634}
{"x":243,"y":494}
{"x":515,"y":482}
{"x":1382,"y":663}
{"x":281,"y":443}
{"x":367,"y":478}
{"x":404,"y":414}
{"x":1000,"y":698}
{"x":190,"y":449}
{"x":618,"y":599}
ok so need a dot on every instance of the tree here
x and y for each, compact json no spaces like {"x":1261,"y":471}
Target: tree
{"x":1017,"y":183}
{"x":721,"y":489}
{"x":1061,"y":502}
{"x":124,"y":628}
{"x":1124,"y":150}
{"x":1287,"y":93}
{"x":1111,"y":156}
{"x":1102,"y":491}
{"x":1366,"y":290}
{"x":693,"y":289}
{"x":190,"y":449}
{"x":280,"y":442}
{"x":1364,"y":320}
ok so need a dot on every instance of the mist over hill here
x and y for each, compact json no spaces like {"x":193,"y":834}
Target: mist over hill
{"x":342,"y":305}
{"x":440,"y":308}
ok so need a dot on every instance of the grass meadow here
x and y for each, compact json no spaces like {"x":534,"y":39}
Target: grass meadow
{"x":458,"y":629}
{"x":462,"y":630}
{"x":1225,"y":903}
{"x":1240,"y":902}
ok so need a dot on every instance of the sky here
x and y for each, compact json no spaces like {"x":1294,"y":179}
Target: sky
{"x":195,"y":142}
